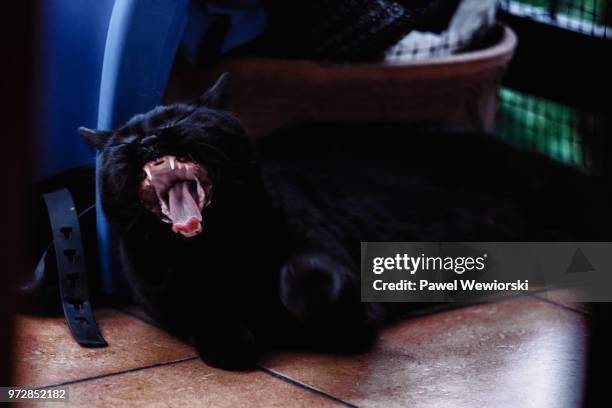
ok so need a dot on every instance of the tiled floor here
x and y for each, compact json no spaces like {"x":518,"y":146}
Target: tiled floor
{"x":521,"y":352}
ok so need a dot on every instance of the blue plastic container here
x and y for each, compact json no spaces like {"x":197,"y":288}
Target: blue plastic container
{"x":72,"y":37}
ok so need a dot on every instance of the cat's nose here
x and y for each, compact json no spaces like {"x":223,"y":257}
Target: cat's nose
{"x":149,"y":140}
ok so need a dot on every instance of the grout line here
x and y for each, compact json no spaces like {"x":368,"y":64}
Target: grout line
{"x":561,"y":305}
{"x":115,"y":373}
{"x":305,"y":386}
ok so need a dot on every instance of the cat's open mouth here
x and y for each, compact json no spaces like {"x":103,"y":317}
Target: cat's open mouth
{"x":177,"y":191}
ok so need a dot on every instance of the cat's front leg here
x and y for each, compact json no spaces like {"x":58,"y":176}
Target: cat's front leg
{"x":314,"y":286}
{"x":325,"y":296}
{"x":225,"y":343}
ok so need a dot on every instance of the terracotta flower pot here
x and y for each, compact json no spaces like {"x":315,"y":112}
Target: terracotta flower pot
{"x":460,"y":90}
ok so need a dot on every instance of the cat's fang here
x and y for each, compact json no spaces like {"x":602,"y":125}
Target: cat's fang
{"x":201,"y":194}
{"x":149,"y":176}
{"x":164,"y":208}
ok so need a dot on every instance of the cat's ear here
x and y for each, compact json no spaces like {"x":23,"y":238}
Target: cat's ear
{"x":95,"y":138}
{"x":217,"y":97}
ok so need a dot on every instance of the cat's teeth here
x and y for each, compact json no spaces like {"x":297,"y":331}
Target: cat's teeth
{"x":172,"y":163}
{"x":164,"y":208}
{"x":201,"y":194}
{"x":149,"y":176}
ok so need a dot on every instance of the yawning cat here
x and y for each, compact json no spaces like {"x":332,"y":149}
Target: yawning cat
{"x":242,"y":250}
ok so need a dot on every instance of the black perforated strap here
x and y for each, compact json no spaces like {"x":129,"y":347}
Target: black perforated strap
{"x":71,"y":269}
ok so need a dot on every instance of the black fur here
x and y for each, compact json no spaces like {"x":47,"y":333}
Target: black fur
{"x":277,"y":261}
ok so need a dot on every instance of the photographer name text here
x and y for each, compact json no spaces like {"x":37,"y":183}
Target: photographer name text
{"x":432,"y":264}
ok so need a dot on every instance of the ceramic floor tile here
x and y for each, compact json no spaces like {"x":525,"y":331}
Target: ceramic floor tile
{"x":47,"y":354}
{"x":516,"y":353}
{"x":190,"y":384}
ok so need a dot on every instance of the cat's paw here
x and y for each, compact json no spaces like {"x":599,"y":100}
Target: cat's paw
{"x":314,"y":286}
{"x":229,"y":348}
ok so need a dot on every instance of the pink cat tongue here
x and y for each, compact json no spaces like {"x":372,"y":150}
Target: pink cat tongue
{"x":183,"y":210}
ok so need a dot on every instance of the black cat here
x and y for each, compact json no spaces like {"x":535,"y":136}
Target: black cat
{"x":242,"y":250}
